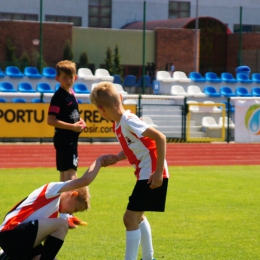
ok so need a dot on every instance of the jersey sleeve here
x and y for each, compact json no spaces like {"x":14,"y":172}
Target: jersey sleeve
{"x":136,"y":125}
{"x":54,"y":107}
{"x":53,"y":189}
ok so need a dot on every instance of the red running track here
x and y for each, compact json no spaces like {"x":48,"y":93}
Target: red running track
{"x":178,"y":154}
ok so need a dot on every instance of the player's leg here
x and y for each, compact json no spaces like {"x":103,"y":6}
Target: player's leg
{"x":133,"y":233}
{"x":53,"y":231}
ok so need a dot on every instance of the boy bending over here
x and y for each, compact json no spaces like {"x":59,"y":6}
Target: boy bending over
{"x":145,"y":149}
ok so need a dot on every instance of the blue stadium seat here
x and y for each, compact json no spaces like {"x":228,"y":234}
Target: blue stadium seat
{"x":2,"y":74}
{"x":147,"y":81}
{"x":7,"y":87}
{"x":117,"y":79}
{"x":243,"y":92}
{"x":228,"y":77}
{"x":243,"y":78}
{"x":212,"y":77}
{"x":211,"y":92}
{"x":81,"y":88}
{"x":32,"y":72}
{"x":49,"y":72}
{"x":44,"y":87}
{"x":256,"y":77}
{"x":196,"y":76}
{"x":25,"y":87}
{"x":19,"y":100}
{"x":227,"y":92}
{"x":2,"y":100}
{"x":255,"y":91}
{"x":37,"y":100}
{"x":13,"y":72}
{"x":129,"y":81}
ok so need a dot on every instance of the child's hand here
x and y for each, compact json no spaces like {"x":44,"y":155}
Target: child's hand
{"x":83,"y":124}
{"x":108,"y":159}
{"x":77,"y":127}
{"x":156,"y":180}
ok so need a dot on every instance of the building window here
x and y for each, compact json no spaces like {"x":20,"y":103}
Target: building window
{"x":17,"y":16}
{"x":99,"y":13}
{"x":179,"y":9}
{"x":64,"y":19}
{"x":246,"y":28}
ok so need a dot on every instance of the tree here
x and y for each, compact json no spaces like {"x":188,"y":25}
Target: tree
{"x":25,"y":60}
{"x":83,"y":60}
{"x":118,"y":69}
{"x":108,"y":61}
{"x":67,"y":52}
{"x":10,"y":51}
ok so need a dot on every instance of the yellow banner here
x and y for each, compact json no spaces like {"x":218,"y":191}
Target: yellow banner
{"x":29,"y":120}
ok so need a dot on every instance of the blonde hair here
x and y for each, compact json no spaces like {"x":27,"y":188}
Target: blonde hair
{"x":105,"y":94}
{"x":67,"y":67}
{"x":84,"y":197}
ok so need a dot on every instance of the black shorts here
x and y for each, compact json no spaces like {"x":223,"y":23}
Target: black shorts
{"x":66,"y":154}
{"x":18,"y":243}
{"x":144,"y":198}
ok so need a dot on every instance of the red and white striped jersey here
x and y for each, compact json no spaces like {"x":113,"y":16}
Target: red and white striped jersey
{"x":41,"y":203}
{"x":140,"y":150}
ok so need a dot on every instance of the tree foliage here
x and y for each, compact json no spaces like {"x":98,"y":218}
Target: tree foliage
{"x":67,"y":51}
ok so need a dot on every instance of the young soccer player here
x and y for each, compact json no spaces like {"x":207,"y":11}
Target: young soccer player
{"x":64,"y":116}
{"x":34,"y":220}
{"x":145,"y":149}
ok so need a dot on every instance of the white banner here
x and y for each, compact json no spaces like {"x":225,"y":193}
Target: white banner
{"x":247,"y":120}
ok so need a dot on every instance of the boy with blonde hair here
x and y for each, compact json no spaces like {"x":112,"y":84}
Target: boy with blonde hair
{"x":34,"y":220}
{"x":145,"y":149}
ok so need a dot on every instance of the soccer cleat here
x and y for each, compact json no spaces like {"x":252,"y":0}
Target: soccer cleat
{"x":77,"y":221}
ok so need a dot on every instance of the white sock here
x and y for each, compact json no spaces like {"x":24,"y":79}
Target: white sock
{"x":132,"y":244}
{"x":64,"y":215}
{"x":146,"y":240}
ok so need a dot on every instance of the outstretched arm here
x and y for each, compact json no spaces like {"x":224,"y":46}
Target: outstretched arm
{"x":110,"y":159}
{"x":86,"y":178}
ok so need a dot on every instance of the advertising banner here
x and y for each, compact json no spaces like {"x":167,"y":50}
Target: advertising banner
{"x":29,"y":120}
{"x":247,"y":120}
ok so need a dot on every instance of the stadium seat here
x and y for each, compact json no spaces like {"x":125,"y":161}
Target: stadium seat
{"x":25,"y":87}
{"x":212,"y":77}
{"x":37,"y":100}
{"x":81,"y":88}
{"x":255,"y":91}
{"x":197,"y":77}
{"x":2,"y":100}
{"x":227,"y":92}
{"x":19,"y":100}
{"x":164,"y":76}
{"x":210,"y":123}
{"x":229,"y":124}
{"x":119,"y":88}
{"x":129,"y":81}
{"x":228,"y":106}
{"x":49,"y":72}
{"x":147,"y":81}
{"x":178,"y":90}
{"x":243,"y":78}
{"x":103,"y":75}
{"x":195,"y":91}
{"x":211,"y":92}
{"x":228,"y":77}
{"x":13,"y":72}
{"x":79,"y":101}
{"x":7,"y":87}
{"x":86,"y":73}
{"x":129,"y":102}
{"x":57,"y":85}
{"x":180,"y":76}
{"x":242,"y":92}
{"x":44,"y":87}
{"x":32,"y":72}
{"x":117,"y":79}
{"x":193,"y":107}
{"x":2,"y":74}
{"x":256,"y":77}
{"x":212,"y":108}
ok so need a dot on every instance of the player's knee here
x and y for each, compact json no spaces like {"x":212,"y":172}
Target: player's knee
{"x":63,"y":226}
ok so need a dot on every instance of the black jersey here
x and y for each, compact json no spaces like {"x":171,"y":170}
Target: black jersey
{"x":65,"y":107}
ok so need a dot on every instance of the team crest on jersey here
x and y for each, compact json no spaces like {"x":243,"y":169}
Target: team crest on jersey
{"x":129,"y":141}
{"x":74,"y":115}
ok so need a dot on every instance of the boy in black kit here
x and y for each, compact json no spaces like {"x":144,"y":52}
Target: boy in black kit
{"x":63,"y":114}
